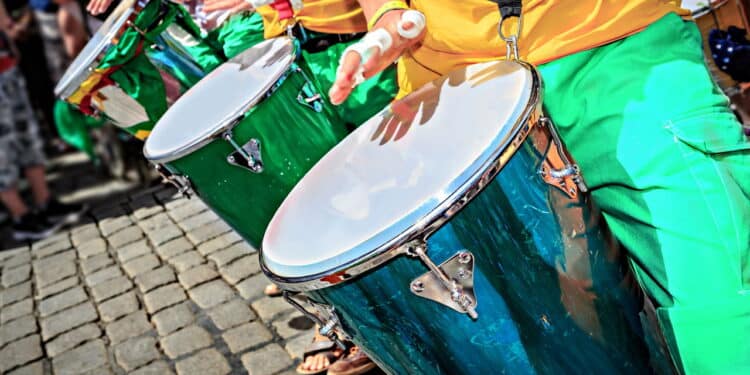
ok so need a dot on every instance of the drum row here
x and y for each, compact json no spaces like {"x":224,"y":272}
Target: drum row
{"x":450,"y":234}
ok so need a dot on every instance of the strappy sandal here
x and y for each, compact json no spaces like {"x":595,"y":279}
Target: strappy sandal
{"x":356,"y":362}
{"x":320,"y":346}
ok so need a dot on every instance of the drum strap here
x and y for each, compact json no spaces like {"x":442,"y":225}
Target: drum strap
{"x":508,"y":8}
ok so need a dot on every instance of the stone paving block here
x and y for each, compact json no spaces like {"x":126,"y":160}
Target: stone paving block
{"x":103,"y":275}
{"x":269,"y":309}
{"x":240,"y":269}
{"x":91,"y":248}
{"x":267,"y":360}
{"x":111,"y":288}
{"x":205,"y":362}
{"x":186,"y":260}
{"x":49,"y":241}
{"x":136,"y":352}
{"x":154,"y":368}
{"x":223,"y":257}
{"x":186,"y":340}
{"x":132,"y":325}
{"x":58,"y":302}
{"x":164,"y":234}
{"x":296,"y":346}
{"x":19,"y":328}
{"x":163,"y":297}
{"x":197,"y":221}
{"x":57,"y":287}
{"x":67,"y":319}
{"x":252,"y":289}
{"x":36,"y":368}
{"x":189,"y":208}
{"x":86,"y":357}
{"x":116,"y":307}
{"x":154,"y":278}
{"x":84,"y":233}
{"x":71,"y":339}
{"x":15,"y":276}
{"x":141,"y":265}
{"x":173,"y":248}
{"x":155,"y":222}
{"x":95,"y":263}
{"x":133,"y":250}
{"x":211,"y":294}
{"x":197,"y":275}
{"x":247,"y":336}
{"x":113,"y":224}
{"x":15,"y":294}
{"x":173,"y":318}
{"x":52,"y":269}
{"x":17,"y":260}
{"x":231,"y":314}
{"x":60,"y":243}
{"x":207,"y":232}
{"x":16,"y":310}
{"x":20,"y":352}
{"x":10,"y":253}
{"x":144,"y":212}
{"x":292,"y":325}
{"x":125,"y":236}
{"x":219,"y":243}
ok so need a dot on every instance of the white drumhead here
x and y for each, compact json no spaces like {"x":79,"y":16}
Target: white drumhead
{"x":214,"y":104}
{"x":79,"y":69}
{"x":390,"y":174}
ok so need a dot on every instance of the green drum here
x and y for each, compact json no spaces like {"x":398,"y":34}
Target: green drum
{"x":143,"y":57}
{"x":242,"y":137}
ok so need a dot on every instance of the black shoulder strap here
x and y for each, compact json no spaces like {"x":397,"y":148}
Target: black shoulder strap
{"x":509,"y":8}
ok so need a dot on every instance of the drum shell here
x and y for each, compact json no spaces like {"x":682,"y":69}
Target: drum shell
{"x":555,"y":295}
{"x":293,"y":137}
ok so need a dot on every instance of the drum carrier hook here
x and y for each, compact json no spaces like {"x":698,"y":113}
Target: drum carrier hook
{"x":329,"y":324}
{"x":510,"y":9}
{"x":450,"y":284}
{"x":246,"y":156}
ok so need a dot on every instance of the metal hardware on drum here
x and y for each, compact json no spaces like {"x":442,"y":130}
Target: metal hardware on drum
{"x":511,"y":41}
{"x":182,"y":183}
{"x":450,"y":284}
{"x":567,"y":177}
{"x":248,"y":156}
{"x":314,"y":102}
{"x":329,"y":325}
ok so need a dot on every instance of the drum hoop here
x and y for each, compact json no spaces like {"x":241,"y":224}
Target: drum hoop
{"x":229,"y":122}
{"x":436,"y":218}
{"x":698,"y":13}
{"x":86,"y":64}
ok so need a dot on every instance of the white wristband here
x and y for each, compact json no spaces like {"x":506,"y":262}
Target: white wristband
{"x":415,"y":17}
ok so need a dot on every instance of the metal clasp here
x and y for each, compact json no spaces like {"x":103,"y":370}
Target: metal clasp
{"x":557,"y":169}
{"x":247,"y":156}
{"x":329,"y":324}
{"x":182,"y":183}
{"x":450,"y":284}
{"x":511,"y":41}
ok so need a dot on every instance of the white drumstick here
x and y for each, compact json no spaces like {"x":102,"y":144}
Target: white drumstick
{"x":416,"y":18}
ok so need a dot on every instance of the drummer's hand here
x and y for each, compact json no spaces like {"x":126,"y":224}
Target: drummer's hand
{"x":97,"y":7}
{"x":351,"y":62}
{"x":234,"y":6}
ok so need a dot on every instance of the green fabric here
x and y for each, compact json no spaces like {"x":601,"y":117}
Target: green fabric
{"x":366,"y":100}
{"x":73,"y":126}
{"x":667,"y":162}
{"x":238,"y":33}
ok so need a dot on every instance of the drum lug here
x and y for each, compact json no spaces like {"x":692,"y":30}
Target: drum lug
{"x":182,"y":183}
{"x":329,"y":324}
{"x":248,"y":156}
{"x":450,"y":284}
{"x":557,"y":169}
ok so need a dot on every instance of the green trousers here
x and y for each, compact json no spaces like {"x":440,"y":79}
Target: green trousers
{"x":666,"y":161}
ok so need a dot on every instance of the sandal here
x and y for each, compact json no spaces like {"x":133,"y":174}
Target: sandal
{"x":272,"y":290}
{"x":320,"y":346}
{"x":355,"y":362}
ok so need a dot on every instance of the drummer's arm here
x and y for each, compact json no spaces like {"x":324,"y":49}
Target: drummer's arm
{"x":392,"y":25}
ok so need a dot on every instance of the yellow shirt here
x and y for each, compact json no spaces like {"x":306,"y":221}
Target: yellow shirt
{"x":462,"y":32}
{"x":325,"y":16}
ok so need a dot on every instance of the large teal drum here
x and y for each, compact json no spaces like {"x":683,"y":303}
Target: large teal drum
{"x":246,"y":134}
{"x":452,"y":234}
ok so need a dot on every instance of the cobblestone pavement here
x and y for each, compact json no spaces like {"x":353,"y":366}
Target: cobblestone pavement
{"x":150,"y":284}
